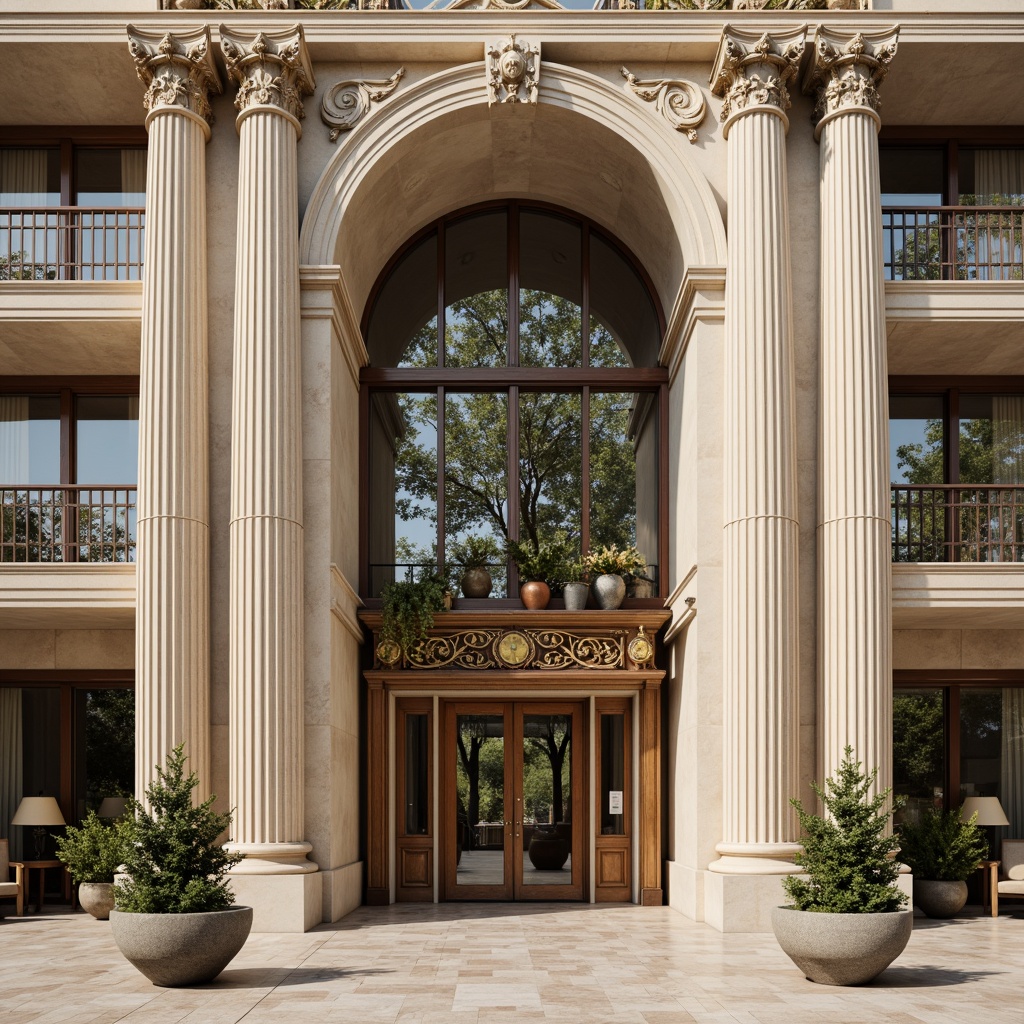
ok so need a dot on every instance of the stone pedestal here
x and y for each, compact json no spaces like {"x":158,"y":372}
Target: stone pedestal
{"x":172,"y":675}
{"x":272,"y":71}
{"x":854,"y":546}
{"x":760,"y":551}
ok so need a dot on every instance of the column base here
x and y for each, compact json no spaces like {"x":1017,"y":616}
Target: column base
{"x":281,"y":903}
{"x":272,"y":858}
{"x":756,"y":859}
{"x":741,"y":903}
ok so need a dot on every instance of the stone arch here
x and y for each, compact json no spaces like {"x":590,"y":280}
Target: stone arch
{"x":586,"y":145}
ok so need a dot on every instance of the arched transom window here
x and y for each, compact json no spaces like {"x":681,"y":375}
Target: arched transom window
{"x":514,"y":392}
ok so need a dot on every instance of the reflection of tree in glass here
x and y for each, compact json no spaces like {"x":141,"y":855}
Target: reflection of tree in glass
{"x":545,"y":773}
{"x":918,"y":744}
{"x":110,"y":744}
{"x":476,"y":435}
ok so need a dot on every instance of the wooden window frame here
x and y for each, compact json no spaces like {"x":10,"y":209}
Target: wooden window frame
{"x":513,"y":380}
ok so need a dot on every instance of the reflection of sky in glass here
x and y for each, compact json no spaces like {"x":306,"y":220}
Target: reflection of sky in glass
{"x":904,"y":432}
{"x":108,"y":451}
{"x":421,"y":425}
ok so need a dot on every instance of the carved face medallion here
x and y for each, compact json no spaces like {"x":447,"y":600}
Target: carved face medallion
{"x":514,"y":648}
{"x":513,"y":66}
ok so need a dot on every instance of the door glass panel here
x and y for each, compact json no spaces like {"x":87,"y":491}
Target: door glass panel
{"x":547,"y":799}
{"x":480,"y":799}
{"x":613,"y":775}
{"x":918,"y":752}
{"x":416,"y":775}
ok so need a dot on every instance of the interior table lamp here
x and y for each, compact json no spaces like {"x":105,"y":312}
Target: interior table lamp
{"x":38,"y":812}
{"x":990,"y":815}
{"x":112,"y":807}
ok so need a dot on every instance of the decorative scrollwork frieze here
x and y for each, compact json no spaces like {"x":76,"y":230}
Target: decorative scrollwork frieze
{"x":846,"y":71}
{"x":513,"y":71}
{"x":345,"y":104}
{"x":680,"y":102}
{"x":177,"y":69}
{"x":754,"y":70}
{"x":271,"y":69}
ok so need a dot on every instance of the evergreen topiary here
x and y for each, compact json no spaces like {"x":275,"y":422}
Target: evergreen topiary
{"x":847,"y":855}
{"x":943,"y":847}
{"x":93,"y":852}
{"x":172,"y":858}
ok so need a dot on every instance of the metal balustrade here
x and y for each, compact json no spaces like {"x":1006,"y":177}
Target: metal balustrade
{"x":71,"y":243}
{"x":957,"y":523}
{"x":953,"y":243}
{"x":68,"y":523}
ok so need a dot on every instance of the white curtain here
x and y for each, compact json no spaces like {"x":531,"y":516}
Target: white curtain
{"x":999,"y":181}
{"x":1012,"y":781}
{"x":23,"y":176}
{"x":133,"y":170}
{"x":13,"y":439}
{"x":10,"y":766}
{"x":1008,"y":439}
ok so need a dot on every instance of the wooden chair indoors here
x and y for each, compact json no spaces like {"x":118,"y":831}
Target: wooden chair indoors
{"x":1011,"y":873}
{"x":7,"y":887}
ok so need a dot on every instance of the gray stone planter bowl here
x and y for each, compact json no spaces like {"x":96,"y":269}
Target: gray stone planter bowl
{"x":181,"y":949}
{"x":939,"y":899}
{"x":97,"y":898}
{"x":575,"y":596}
{"x":841,"y":949}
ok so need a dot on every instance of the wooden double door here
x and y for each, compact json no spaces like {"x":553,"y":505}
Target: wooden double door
{"x":512,"y":796}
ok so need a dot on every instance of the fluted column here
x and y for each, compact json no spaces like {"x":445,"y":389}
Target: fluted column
{"x":272,"y":71}
{"x":172,"y":676}
{"x":854,"y":555}
{"x":760,"y":550}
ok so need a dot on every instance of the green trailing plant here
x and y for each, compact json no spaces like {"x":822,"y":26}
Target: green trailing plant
{"x":476,"y":552}
{"x":409,"y":607}
{"x":543,"y":562}
{"x":942,"y":847}
{"x":847,"y":854}
{"x":615,"y":561}
{"x":94,"y":851}
{"x":173,"y":861}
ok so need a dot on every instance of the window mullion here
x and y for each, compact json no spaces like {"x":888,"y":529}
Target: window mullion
{"x":585,"y":471}
{"x":513,"y":482}
{"x":440,"y":478}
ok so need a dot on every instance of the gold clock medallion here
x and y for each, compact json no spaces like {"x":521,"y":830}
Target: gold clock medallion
{"x":388,"y":652}
{"x":641,"y":649}
{"x":514,"y":648}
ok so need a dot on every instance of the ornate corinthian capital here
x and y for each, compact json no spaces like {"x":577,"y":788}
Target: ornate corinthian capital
{"x":846,"y":71}
{"x":752,"y":70}
{"x":272,"y":69}
{"x":177,"y":70}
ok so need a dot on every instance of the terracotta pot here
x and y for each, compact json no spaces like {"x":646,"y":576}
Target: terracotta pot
{"x":535,"y":595}
{"x":575,"y":595}
{"x":476,"y":582}
{"x":608,"y":591}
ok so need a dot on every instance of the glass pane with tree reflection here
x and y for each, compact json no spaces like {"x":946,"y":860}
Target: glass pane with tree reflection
{"x":480,"y":799}
{"x":918,"y":751}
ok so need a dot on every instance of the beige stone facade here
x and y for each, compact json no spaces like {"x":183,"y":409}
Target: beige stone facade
{"x":292,"y":154}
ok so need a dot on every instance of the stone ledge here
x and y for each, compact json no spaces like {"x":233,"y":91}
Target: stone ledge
{"x":67,"y":596}
{"x":934,"y":595}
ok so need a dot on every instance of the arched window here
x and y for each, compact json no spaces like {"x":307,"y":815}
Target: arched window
{"x":513,"y":392}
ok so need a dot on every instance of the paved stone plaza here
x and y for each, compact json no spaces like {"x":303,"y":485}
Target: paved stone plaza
{"x":511,"y":963}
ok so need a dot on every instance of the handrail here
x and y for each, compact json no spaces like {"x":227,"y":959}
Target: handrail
{"x":71,"y":243}
{"x":68,"y":522}
{"x":953,"y":243}
{"x":957,"y":523}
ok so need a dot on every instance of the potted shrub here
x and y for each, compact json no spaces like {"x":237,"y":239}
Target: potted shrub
{"x":174,"y":917}
{"x":610,"y":569}
{"x":846,"y":923}
{"x":576,"y":587}
{"x":408,"y":613}
{"x":92,"y":854}
{"x":475,"y":555}
{"x":943,"y":851}
{"x":539,"y":564}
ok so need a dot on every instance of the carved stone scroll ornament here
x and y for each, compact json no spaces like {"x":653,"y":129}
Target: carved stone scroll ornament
{"x":177,"y":70}
{"x":753,"y":70}
{"x":271,"y":69}
{"x":681,"y":103}
{"x":345,"y":104}
{"x":846,"y":71}
{"x":513,"y":71}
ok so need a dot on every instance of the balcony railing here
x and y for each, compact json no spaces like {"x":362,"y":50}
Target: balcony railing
{"x":957,"y":523}
{"x":953,"y":243}
{"x":67,"y":523}
{"x":71,"y":243}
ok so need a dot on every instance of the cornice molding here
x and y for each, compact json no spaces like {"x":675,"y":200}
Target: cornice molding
{"x":752,"y":71}
{"x":846,"y":70}
{"x":177,"y":70}
{"x":273,"y":70}
{"x":700,"y":299}
{"x":321,"y":280}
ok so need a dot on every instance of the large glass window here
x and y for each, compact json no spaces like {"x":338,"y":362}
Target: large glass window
{"x":535,"y":413}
